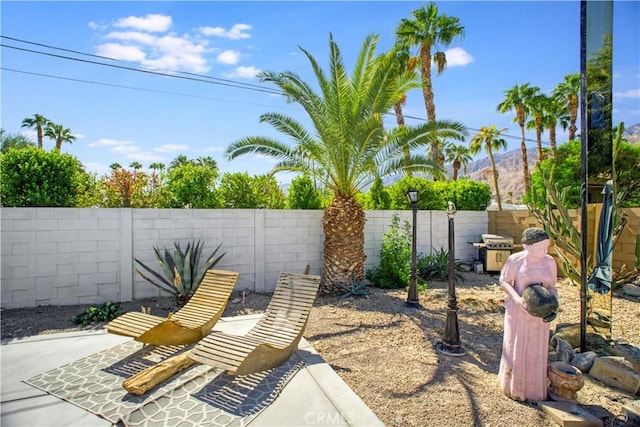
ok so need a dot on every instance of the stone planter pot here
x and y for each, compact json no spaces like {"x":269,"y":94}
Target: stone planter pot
{"x":565,"y":381}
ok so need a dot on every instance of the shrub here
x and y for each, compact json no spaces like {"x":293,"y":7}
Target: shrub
{"x":32,"y":177}
{"x":98,"y":313}
{"x":303,"y":194}
{"x":394,"y":270}
{"x":436,"y":266}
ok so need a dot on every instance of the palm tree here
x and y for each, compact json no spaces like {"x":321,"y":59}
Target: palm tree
{"x":207,"y":162}
{"x":536,"y":106}
{"x":459,"y":157}
{"x":517,"y":99}
{"x":428,"y":30}
{"x":60,"y":134}
{"x":489,"y":139}
{"x":179,"y":161}
{"x":155,"y":167}
{"x":405,"y":63}
{"x":115,"y":166}
{"x":569,"y":91}
{"x":348,"y":143}
{"x":555,"y":113}
{"x":39,"y":123}
{"x":135,"y":165}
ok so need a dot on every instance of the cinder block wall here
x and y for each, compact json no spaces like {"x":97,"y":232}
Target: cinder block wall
{"x":64,"y":256}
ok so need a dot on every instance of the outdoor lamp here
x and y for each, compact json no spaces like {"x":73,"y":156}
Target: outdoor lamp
{"x":450,"y":345}
{"x":412,"y":297}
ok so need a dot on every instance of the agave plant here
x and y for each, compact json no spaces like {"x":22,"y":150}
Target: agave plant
{"x":182,"y":270}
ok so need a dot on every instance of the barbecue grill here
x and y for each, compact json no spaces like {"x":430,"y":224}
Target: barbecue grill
{"x":494,"y":251}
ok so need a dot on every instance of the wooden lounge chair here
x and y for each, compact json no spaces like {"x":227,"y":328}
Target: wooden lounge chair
{"x":189,"y":324}
{"x":273,"y":339}
{"x":269,"y":343}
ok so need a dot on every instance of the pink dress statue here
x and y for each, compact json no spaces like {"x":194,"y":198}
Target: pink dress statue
{"x":525,"y":346}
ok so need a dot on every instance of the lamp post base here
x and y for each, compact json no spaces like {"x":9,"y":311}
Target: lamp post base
{"x":450,"y":350}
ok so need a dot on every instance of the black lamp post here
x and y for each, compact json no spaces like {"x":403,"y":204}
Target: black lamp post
{"x":450,"y":345}
{"x":412,"y":297}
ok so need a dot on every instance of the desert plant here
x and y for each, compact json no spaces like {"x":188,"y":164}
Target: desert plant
{"x":182,"y":270}
{"x":436,"y":266}
{"x":355,"y":288}
{"x":395,"y":253}
{"x":98,"y":313}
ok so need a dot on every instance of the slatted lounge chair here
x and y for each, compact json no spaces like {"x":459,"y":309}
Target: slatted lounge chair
{"x":189,"y":324}
{"x":273,"y":339}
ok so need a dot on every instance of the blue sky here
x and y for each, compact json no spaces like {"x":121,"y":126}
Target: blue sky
{"x":125,"y":116}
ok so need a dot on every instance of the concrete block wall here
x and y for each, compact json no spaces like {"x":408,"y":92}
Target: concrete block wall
{"x":65,"y":256}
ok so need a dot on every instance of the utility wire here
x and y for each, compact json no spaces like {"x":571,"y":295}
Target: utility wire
{"x":168,"y":73}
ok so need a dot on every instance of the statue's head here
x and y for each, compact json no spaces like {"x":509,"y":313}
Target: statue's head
{"x":533,"y":235}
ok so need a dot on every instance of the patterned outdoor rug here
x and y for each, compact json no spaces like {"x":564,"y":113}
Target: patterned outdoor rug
{"x":197,"y":396}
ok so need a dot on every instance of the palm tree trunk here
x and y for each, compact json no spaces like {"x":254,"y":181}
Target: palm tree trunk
{"x":539,"y":140}
{"x":456,"y":168}
{"x":343,"y":224}
{"x":552,"y":139}
{"x":495,"y":179}
{"x":39,"y":129}
{"x":400,"y":120}
{"x":523,"y":149}
{"x":573,"y":117}
{"x":427,"y":93}
{"x":59,"y":144}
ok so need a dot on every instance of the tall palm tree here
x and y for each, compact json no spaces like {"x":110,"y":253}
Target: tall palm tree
{"x":517,"y":99}
{"x":555,"y":114}
{"x":569,"y":91}
{"x":115,"y":165}
{"x":135,"y":165}
{"x":39,"y":123}
{"x":59,"y":134}
{"x":459,"y":157}
{"x":489,"y":139}
{"x":348,"y":143}
{"x":536,"y":106}
{"x":429,"y":30}
{"x":405,"y":63}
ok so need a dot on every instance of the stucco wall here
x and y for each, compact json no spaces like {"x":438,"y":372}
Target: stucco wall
{"x":63,"y":256}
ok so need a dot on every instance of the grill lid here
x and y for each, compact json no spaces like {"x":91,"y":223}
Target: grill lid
{"x":494,"y":241}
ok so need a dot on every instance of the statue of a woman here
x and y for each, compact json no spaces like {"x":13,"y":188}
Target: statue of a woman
{"x":525,"y":346}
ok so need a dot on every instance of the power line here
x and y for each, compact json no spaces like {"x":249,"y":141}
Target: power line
{"x":133,"y":88}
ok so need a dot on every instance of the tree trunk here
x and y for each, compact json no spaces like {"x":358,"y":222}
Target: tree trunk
{"x":573,"y":117}
{"x":400,"y":120}
{"x":495,"y":179}
{"x":427,"y":93}
{"x":343,"y":225}
{"x":552,"y":139}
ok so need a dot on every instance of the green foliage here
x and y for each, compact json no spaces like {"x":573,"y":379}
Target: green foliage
{"x":239,"y":190}
{"x":435,"y":195}
{"x":394,"y":269}
{"x":90,"y":192}
{"x":355,"y":288}
{"x":182,"y":270}
{"x":303,"y":194}
{"x":34,"y":177}
{"x":13,"y":141}
{"x":436,"y":266}
{"x":377,"y":198}
{"x":98,"y":313}
{"x":190,"y":185}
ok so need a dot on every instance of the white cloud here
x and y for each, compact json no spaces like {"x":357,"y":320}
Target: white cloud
{"x":109,"y":142}
{"x":121,"y":52}
{"x":133,"y":36}
{"x":631,"y":93}
{"x":151,"y":23}
{"x":458,"y":57}
{"x":170,"y":148}
{"x":244,"y":72}
{"x":230,"y":57}
{"x":238,"y":31}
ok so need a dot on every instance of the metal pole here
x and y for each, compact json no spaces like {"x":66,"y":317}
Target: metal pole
{"x":451,"y":345}
{"x":412,"y":297}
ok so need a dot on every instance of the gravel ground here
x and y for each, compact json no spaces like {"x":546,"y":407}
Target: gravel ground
{"x":386,"y":352}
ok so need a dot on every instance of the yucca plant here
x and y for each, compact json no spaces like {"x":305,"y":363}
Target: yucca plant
{"x":182,"y":270}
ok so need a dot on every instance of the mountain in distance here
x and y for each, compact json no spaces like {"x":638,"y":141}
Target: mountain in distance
{"x":632,"y":134}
